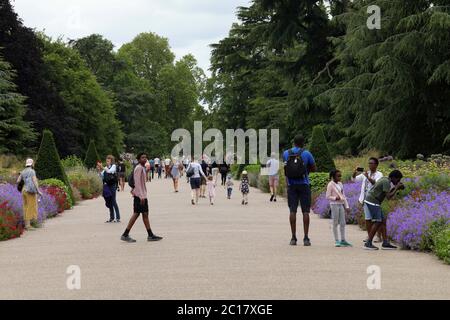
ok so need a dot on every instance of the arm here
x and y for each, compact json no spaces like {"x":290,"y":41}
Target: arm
{"x":19,"y":178}
{"x":36,"y":184}
{"x":201,"y":171}
{"x":358,"y":178}
{"x":393,"y":191}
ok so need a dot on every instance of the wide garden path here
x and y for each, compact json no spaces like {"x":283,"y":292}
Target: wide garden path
{"x":223,"y":252}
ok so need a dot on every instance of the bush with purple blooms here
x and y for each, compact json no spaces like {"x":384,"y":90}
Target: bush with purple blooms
{"x":47,"y":206}
{"x":409,"y":223}
{"x":352,"y":191}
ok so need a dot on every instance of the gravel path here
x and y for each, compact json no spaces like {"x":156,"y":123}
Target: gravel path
{"x":223,"y":252}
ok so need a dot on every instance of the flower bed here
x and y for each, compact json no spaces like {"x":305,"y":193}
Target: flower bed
{"x":87,"y":182}
{"x":12,"y":210}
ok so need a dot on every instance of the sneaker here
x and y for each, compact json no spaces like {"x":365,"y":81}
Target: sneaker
{"x":109,"y":221}
{"x":118,"y":221}
{"x":345,"y":244}
{"x":370,"y":246}
{"x":193,"y":202}
{"x":365,"y":240}
{"x":154,"y":238}
{"x":127,"y":239}
{"x":337,"y":244}
{"x":271,"y":198}
{"x":293,"y":242}
{"x":275,"y":199}
{"x":388,"y":246}
{"x":246,"y":203}
{"x":243,"y":202}
{"x":307,"y":242}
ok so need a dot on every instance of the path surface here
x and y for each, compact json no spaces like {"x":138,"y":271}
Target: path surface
{"x":223,"y":252}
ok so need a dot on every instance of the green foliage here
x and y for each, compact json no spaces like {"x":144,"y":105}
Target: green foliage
{"x":71,"y":161}
{"x":319,"y":149}
{"x":48,"y":164}
{"x":90,"y":161}
{"x":70,"y":202}
{"x":442,"y":245}
{"x":435,"y":181}
{"x":15,"y":132}
{"x":319,"y":181}
{"x":430,"y":234}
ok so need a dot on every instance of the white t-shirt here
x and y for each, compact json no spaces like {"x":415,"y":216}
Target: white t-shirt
{"x":198,"y":171}
{"x":157,"y":161}
{"x":274,"y":166}
{"x":167,"y":162}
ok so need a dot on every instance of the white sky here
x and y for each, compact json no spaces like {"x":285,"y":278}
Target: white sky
{"x":190,"y":25}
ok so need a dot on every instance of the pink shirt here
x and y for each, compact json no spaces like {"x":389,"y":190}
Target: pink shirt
{"x":140,"y":188}
{"x":333,"y":191}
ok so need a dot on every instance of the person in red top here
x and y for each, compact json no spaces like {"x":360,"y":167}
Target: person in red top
{"x":140,"y":204}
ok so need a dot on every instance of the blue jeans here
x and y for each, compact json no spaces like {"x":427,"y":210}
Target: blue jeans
{"x":114,"y":206}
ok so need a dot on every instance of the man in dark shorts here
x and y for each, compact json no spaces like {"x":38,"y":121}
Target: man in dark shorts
{"x":299,"y":190}
{"x":140,"y":204}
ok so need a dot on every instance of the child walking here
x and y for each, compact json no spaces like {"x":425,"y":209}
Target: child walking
{"x":229,"y":184}
{"x":211,"y":186}
{"x":339,"y":207}
{"x":244,"y":187}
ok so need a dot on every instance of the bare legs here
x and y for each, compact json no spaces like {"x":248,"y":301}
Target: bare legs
{"x":293,"y":221}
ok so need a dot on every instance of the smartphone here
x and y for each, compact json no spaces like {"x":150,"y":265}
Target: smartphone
{"x":360,"y":169}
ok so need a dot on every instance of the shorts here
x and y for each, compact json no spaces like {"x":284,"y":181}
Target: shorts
{"x":274,"y":180}
{"x":140,"y":208}
{"x":195,"y":183}
{"x":299,"y":193}
{"x":122,"y":175}
{"x":374,"y":213}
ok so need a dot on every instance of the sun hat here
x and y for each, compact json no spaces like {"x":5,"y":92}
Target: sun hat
{"x":244,"y":173}
{"x":29,"y":163}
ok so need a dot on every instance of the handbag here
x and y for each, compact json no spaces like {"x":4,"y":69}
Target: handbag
{"x":190,"y":172}
{"x":20,"y":185}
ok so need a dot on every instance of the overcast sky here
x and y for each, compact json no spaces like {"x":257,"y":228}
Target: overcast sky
{"x":190,"y":25}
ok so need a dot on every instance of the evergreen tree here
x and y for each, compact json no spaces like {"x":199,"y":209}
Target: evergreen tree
{"x":15,"y":133}
{"x":48,"y":163}
{"x":321,"y":152}
{"x":91,"y":156}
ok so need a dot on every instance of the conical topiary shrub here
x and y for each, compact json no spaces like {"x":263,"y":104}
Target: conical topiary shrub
{"x":320,"y":151}
{"x":91,"y":156}
{"x":48,"y":164}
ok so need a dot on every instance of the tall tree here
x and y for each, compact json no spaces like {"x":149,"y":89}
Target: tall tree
{"x":15,"y":133}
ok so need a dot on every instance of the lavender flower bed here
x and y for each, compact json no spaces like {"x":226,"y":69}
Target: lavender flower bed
{"x":352,"y":191}
{"x":408,"y":223}
{"x":47,"y":206}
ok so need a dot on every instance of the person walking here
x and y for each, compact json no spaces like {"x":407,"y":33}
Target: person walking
{"x":167,"y":164}
{"x":380,"y":191}
{"x":274,"y":166}
{"x":175,"y":173}
{"x":229,"y":184}
{"x":298,"y":163}
{"x":158,"y":167}
{"x":224,"y":168}
{"x":214,"y":170}
{"x":368,"y":180}
{"x":30,"y":191}
{"x":140,"y":202}
{"x":211,"y":186}
{"x":195,"y":173}
{"x":122,"y":170}
{"x":339,"y":207}
{"x":110,"y":181}
{"x":152,"y":168}
{"x":244,"y":187}
{"x":207,"y":171}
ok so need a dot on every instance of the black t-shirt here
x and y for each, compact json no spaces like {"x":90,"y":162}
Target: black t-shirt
{"x":121,"y":168}
{"x":223,"y":168}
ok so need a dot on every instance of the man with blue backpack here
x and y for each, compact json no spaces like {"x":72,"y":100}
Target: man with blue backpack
{"x":298,"y":163}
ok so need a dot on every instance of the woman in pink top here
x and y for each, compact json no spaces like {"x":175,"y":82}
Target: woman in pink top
{"x":339,"y":207}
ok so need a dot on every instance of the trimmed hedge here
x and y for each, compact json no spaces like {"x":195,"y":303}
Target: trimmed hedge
{"x":48,"y":163}
{"x":58,"y":183}
{"x":321,"y":152}
{"x":91,"y":156}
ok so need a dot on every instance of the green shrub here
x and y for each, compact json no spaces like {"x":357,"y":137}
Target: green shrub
{"x":88,"y":182}
{"x":71,"y":162}
{"x":91,"y":156}
{"x":430,"y":234}
{"x":48,"y":164}
{"x":439,"y":182}
{"x":321,"y":152}
{"x":442,"y":245}
{"x":58,"y":183}
{"x":319,"y":181}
